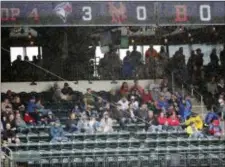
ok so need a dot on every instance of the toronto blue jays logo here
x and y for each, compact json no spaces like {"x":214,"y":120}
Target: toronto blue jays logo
{"x":63,"y":10}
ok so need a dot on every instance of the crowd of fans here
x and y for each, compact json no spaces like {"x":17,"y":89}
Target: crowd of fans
{"x":156,"y":106}
{"x":111,"y":67}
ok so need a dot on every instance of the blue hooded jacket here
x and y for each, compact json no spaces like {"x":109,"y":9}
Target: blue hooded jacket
{"x":185,"y":109}
{"x":56,"y":132}
{"x":210,"y":117}
{"x":31,"y":107}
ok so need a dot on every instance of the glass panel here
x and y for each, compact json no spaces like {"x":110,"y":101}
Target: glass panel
{"x":32,"y":51}
{"x":15,"y":51}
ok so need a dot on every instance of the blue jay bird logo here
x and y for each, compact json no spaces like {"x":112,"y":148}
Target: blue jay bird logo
{"x":63,"y":10}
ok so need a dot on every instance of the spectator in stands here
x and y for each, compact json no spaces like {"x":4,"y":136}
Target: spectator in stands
{"x":31,"y":109}
{"x":150,"y":55}
{"x":17,"y":105}
{"x":11,"y":121}
{"x":89,"y":99}
{"x":106,"y":123}
{"x":221,"y":86}
{"x":190,"y":65}
{"x":173,"y":120}
{"x":6,"y":105}
{"x":103,"y":67}
{"x":222,"y":60}
{"x":152,"y":122}
{"x":123,"y":104}
{"x":57,"y":133}
{"x":114,"y":63}
{"x":83,"y":124}
{"x":143,"y":112}
{"x":95,"y":125}
{"x":127,"y":66}
{"x":198,"y":67}
{"x":21,"y":125}
{"x":124,"y":90}
{"x":215,"y":129}
{"x":214,"y":60}
{"x":221,"y":109}
{"x":57,"y":94}
{"x":9,"y":95}
{"x":113,"y":97}
{"x":196,"y":119}
{"x":164,"y":84}
{"x":162,"y":103}
{"x":133,"y":107}
{"x":212,"y":87}
{"x":193,"y":131}
{"x":67,"y":91}
{"x":100,"y":106}
{"x":211,"y":115}
{"x":135,"y":58}
{"x":174,"y":102}
{"x":147,"y":96}
{"x":76,"y":110}
{"x":41,"y":109}
{"x":151,"y":52}
{"x":71,"y":123}
{"x":137,"y":87}
{"x":50,"y":119}
{"x":9,"y":135}
{"x":185,"y":107}
{"x":162,"y":120}
{"x":16,"y":67}
{"x":28,"y":119}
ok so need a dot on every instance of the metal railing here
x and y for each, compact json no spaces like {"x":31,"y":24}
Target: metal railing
{"x":190,"y":90}
{"x":7,"y":157}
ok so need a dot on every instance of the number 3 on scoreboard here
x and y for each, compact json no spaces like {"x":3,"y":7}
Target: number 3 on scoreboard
{"x":87,"y":13}
{"x":141,"y":13}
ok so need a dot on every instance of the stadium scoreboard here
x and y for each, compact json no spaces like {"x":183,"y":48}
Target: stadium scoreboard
{"x":109,"y":13}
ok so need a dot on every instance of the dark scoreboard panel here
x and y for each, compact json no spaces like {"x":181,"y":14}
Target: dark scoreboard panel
{"x":77,"y":13}
{"x":107,"y":13}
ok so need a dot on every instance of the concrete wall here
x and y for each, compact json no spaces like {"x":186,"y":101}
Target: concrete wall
{"x":81,"y":86}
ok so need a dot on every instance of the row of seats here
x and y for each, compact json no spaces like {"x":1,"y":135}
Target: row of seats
{"x":130,"y":161}
{"x":122,"y":143}
{"x":34,"y":137}
{"x":142,"y":155}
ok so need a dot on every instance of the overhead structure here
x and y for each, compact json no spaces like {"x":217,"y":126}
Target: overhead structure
{"x":109,"y":13}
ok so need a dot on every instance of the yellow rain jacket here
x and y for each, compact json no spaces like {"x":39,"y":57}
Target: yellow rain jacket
{"x":197,"y":121}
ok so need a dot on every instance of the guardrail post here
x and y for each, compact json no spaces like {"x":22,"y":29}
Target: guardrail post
{"x":182,"y":90}
{"x":192,"y":92}
{"x":202,"y":106}
{"x":173,"y":82}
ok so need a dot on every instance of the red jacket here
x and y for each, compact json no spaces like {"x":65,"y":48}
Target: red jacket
{"x":137,"y":88}
{"x":124,"y":91}
{"x":173,"y":122}
{"x":28,"y":118}
{"x":162,"y":120}
{"x":146,"y":97}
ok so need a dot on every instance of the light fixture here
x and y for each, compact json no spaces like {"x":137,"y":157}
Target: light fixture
{"x":165,"y":40}
{"x":189,"y":34}
{"x":132,"y":41}
{"x":31,"y":42}
{"x":214,"y":28}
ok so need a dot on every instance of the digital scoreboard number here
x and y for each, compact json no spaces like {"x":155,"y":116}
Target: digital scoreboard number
{"x":109,"y":13}
{"x":191,"y":12}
